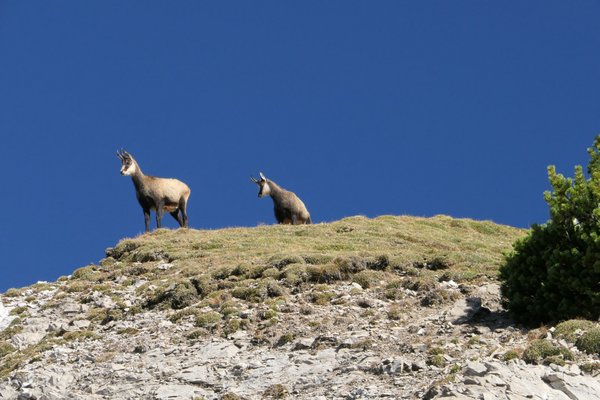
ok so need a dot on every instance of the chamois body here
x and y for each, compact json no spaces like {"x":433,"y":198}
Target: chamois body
{"x":158,"y":194}
{"x":288,"y":207}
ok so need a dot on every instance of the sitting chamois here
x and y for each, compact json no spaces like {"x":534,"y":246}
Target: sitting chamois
{"x":289,"y":209}
{"x":159,"y":194}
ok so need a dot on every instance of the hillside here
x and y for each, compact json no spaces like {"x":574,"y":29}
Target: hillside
{"x":391,"y":307}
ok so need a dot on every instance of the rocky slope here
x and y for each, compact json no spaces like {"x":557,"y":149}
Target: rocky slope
{"x":394,"y":307}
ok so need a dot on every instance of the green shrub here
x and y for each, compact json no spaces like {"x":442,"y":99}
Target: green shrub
{"x":590,"y":367}
{"x":294,"y":274}
{"x":280,"y":261}
{"x":271,"y":273}
{"x":367,"y":279}
{"x":13,"y":292}
{"x":88,"y":273}
{"x":178,"y":295}
{"x":285,"y":339}
{"x":277,"y":391}
{"x":567,"y":329}
{"x":232,"y":326}
{"x":589,"y":341}
{"x":324,"y":273}
{"x":553,"y":273}
{"x":510,"y":355}
{"x":18,"y":310}
{"x":542,"y":350}
{"x":208,"y":320}
{"x":5,"y":348}
{"x":80,"y":335}
{"x":437,"y":360}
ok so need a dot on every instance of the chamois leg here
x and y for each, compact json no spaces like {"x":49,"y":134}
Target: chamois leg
{"x":294,"y":219}
{"x":184,"y":217}
{"x":159,"y":213}
{"x":147,"y":219}
{"x":175,"y":214}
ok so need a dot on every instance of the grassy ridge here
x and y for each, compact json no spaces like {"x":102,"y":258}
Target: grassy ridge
{"x":471,"y":248}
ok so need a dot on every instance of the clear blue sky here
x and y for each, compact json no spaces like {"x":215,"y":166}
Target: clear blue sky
{"x":386,"y":107}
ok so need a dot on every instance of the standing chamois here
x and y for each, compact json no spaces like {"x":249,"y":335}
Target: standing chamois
{"x":289,"y":209}
{"x":159,"y":194}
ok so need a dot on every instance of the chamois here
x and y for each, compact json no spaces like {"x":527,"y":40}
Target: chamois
{"x":158,"y":194}
{"x":289,"y":209}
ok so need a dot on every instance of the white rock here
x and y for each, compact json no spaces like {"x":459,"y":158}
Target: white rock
{"x":177,"y":392}
{"x":5,"y":318}
{"x":475,"y":369}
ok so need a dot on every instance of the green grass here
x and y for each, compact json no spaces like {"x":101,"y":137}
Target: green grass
{"x":465,"y":244}
{"x":256,"y":264}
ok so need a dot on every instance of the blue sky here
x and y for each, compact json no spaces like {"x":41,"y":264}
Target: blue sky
{"x":387,"y":107}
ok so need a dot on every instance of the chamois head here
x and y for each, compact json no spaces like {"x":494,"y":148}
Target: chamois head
{"x":127,"y":164}
{"x":264,"y":188}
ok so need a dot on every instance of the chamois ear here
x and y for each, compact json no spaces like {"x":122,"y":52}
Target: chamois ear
{"x":262,"y":176}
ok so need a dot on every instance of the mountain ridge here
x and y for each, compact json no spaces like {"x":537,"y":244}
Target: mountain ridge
{"x":389,"y":307}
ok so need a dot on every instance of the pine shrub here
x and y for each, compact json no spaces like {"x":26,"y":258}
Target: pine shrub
{"x":553,"y":274}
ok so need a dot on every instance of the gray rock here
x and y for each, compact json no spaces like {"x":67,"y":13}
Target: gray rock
{"x":303,"y":344}
{"x":178,"y":392}
{"x":199,"y":375}
{"x":80,"y":324}
{"x":71,"y":308}
{"x":475,"y":369}
{"x":464,"y":310}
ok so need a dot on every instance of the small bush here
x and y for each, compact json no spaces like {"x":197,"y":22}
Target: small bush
{"x":510,"y":355}
{"x":321,"y":298}
{"x":590,"y":367}
{"x":351,"y":265}
{"x":76,"y":286}
{"x":196,"y":334}
{"x":437,"y":297}
{"x":80,"y":335}
{"x":18,"y":310}
{"x":437,"y":360}
{"x":249,"y":293}
{"x":367,"y":279}
{"x":295,"y":274}
{"x":130,"y":331}
{"x":589,"y":341}
{"x":395,"y":312}
{"x":435,"y":264}
{"x":277,"y":391}
{"x":271,"y":273}
{"x":267,"y":314}
{"x":223,"y":273}
{"x":242,"y":269}
{"x":567,"y":330}
{"x":280,"y":261}
{"x":285,"y":339}
{"x":6,"y":348}
{"x":317,"y":259}
{"x":541,"y":349}
{"x":13,"y":292}
{"x":324,"y":273}
{"x":88,"y":273}
{"x":208,"y":320}
{"x":186,"y":312}
{"x":178,"y":295}
{"x":232,"y":325}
